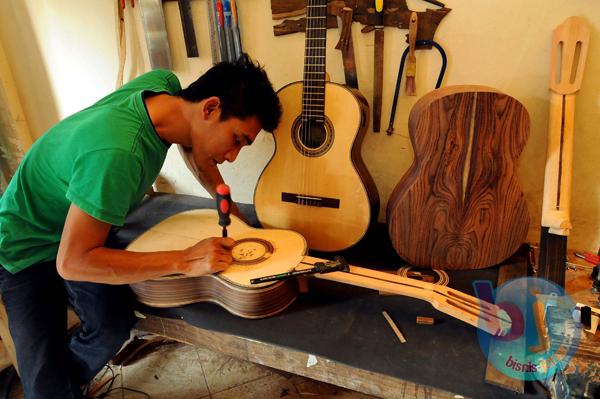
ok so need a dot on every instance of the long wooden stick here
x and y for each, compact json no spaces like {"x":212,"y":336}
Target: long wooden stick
{"x":481,"y":314}
{"x":570,"y":42}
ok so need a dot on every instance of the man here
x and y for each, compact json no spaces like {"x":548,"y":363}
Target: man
{"x":82,"y":177}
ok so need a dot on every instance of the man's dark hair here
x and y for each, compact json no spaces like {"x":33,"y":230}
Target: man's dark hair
{"x":243,"y":89}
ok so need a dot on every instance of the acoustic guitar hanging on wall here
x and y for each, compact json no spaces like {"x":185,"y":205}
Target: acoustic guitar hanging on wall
{"x":316,"y":183}
{"x":460,"y":205}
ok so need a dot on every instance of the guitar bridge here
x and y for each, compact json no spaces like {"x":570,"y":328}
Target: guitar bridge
{"x":310,"y":200}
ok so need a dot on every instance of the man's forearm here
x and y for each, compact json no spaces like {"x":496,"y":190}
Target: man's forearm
{"x":114,"y":266}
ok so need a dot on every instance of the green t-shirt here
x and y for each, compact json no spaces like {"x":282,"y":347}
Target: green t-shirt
{"x":102,"y":159}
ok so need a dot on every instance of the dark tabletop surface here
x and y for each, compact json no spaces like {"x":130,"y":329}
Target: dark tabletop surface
{"x":345,"y":323}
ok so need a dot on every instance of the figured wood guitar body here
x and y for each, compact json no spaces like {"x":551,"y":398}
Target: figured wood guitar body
{"x":316,"y":183}
{"x":460,"y":206}
{"x":257,"y":252}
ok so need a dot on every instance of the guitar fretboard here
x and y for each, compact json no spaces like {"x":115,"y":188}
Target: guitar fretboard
{"x":313,"y":92}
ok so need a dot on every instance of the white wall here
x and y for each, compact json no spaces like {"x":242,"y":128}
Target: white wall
{"x":64,"y":56}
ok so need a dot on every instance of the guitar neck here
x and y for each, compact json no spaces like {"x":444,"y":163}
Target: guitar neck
{"x":313,"y":93}
{"x":478,"y":313}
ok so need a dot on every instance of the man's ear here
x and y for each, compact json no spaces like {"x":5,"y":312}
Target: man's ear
{"x":211,"y":105}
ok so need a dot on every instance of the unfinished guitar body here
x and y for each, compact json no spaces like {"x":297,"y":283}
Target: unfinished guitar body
{"x":460,"y":206}
{"x":257,"y":252}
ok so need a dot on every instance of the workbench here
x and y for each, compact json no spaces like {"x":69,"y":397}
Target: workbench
{"x":336,"y":333}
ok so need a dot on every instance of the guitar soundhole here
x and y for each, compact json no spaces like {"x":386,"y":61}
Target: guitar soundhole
{"x":250,"y":251}
{"x":312,"y":138}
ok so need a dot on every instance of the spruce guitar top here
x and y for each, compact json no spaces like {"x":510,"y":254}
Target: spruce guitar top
{"x":316,"y":183}
{"x":260,"y":253}
{"x":257,"y":251}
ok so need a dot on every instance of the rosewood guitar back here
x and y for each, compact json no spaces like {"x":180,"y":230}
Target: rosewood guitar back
{"x":460,"y":206}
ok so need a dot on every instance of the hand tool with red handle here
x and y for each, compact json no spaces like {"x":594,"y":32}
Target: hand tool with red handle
{"x":224,"y":206}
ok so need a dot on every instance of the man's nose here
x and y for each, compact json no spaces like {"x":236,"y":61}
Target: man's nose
{"x":232,"y":155}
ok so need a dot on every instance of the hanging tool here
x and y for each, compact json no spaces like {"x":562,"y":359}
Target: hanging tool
{"x":411,"y":60}
{"x":122,"y":3}
{"x":570,"y":42}
{"x":378,"y":66}
{"x":187,"y":23}
{"x":237,"y":40}
{"x":390,"y":129}
{"x":224,"y":206}
{"x":228,"y":31}
{"x":337,"y":265}
{"x":122,"y":39}
{"x":221,"y":35}
{"x":212,"y":30}
{"x":346,"y":45}
{"x":155,"y":31}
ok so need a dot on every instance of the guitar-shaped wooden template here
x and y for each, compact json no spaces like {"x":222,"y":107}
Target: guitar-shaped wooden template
{"x":316,"y":183}
{"x":257,"y":252}
{"x":460,"y":206}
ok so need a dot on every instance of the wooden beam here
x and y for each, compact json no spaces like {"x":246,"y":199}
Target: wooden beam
{"x":293,"y":361}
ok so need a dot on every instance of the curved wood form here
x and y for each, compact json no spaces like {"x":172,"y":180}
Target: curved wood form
{"x":460,"y":206}
{"x":257,"y":253}
{"x":316,"y":182}
{"x":478,"y":313}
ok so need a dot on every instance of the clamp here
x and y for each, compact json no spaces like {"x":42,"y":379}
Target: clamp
{"x":337,"y":265}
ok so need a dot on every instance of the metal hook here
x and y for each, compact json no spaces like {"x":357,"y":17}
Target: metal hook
{"x":390,"y":128}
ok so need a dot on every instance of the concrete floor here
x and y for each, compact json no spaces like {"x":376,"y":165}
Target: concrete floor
{"x":179,"y":371}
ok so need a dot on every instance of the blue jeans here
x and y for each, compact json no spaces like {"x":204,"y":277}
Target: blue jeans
{"x":53,"y":364}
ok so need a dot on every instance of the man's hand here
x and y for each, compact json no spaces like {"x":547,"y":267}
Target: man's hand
{"x":82,"y":255}
{"x":208,"y":256}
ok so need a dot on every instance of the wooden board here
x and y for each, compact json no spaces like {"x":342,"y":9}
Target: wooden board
{"x":460,"y":206}
{"x":293,"y":361}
